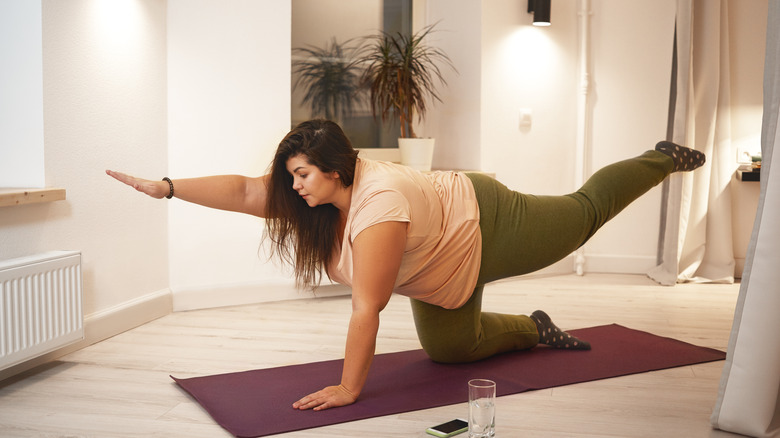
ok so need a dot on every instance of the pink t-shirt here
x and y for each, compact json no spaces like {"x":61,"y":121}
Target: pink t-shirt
{"x":441,"y":261}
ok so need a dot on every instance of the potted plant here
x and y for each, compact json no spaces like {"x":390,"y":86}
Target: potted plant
{"x":331,"y":77}
{"x":401,"y":74}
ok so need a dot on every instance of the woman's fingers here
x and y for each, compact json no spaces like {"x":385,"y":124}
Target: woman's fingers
{"x":312,"y":401}
{"x":151,"y":188}
{"x":308,"y":402}
{"x":124,"y":178}
{"x":329,"y":397}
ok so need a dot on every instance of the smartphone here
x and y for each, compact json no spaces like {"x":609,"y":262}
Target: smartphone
{"x":450,"y":428}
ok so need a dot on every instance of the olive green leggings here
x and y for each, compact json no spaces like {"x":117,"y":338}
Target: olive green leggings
{"x":521,"y":234}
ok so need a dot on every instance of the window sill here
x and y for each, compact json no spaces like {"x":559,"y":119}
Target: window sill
{"x":11,"y":197}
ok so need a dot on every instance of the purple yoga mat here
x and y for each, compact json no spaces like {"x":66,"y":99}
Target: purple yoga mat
{"x":259,"y":403}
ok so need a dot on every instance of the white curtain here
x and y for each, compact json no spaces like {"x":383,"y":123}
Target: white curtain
{"x":749,"y":395}
{"x":696,"y":242}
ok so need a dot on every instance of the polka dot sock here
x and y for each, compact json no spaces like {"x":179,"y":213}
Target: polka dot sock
{"x":551,"y":335}
{"x":685,"y":159}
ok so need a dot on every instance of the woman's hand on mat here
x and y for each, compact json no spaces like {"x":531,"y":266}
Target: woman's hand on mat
{"x":330,"y":397}
{"x":155,"y":189}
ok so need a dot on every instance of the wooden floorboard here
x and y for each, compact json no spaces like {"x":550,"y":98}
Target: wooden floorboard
{"x":121,"y":387}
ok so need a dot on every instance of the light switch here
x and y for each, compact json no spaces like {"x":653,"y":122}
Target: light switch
{"x":526,"y":118}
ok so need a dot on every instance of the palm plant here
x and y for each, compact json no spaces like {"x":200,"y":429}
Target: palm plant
{"x":331,"y":76}
{"x":401,"y":73}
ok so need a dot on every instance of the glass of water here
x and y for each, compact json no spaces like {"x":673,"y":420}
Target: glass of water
{"x":482,"y":408}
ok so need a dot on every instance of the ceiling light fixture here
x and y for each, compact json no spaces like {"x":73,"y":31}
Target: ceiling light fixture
{"x":541,"y":11}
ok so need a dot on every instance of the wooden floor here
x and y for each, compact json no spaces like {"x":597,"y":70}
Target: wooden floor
{"x":120,"y":387}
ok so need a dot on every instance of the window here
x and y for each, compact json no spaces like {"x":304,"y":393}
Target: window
{"x":325,"y":35}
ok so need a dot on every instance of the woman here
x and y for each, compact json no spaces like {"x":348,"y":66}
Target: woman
{"x":382,"y":228}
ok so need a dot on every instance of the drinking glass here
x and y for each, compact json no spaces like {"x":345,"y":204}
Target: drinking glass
{"x":482,"y":408}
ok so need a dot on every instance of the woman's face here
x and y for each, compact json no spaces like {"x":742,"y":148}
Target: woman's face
{"x":315,"y":186}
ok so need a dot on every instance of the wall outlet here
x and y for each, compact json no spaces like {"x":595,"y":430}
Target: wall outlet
{"x":744,"y":156}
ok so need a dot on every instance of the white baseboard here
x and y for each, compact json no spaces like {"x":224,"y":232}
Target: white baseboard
{"x":564,"y":266}
{"x":602,"y":264}
{"x":619,"y":264}
{"x":194,"y":298}
{"x":105,"y":324}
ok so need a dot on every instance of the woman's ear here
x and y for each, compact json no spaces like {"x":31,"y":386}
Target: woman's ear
{"x":336,"y":175}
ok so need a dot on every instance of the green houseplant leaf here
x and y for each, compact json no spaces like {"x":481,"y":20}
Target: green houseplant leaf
{"x":401,"y":74}
{"x":331,"y":77}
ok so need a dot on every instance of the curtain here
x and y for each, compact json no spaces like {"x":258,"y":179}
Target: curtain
{"x":696,"y":242}
{"x":749,"y":395}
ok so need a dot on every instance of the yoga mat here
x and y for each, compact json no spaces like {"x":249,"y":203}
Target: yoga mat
{"x":259,"y":403}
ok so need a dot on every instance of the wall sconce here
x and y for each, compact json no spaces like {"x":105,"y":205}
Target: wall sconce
{"x":541,"y":10}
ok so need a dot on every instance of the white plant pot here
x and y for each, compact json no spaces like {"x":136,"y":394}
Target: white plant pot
{"x":416,"y":153}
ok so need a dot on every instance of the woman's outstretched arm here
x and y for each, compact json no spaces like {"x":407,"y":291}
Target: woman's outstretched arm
{"x":377,"y":253}
{"x":226,"y":192}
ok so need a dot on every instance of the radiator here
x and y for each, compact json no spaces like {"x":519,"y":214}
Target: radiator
{"x":40,"y":305}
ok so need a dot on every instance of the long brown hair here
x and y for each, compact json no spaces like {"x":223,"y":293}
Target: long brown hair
{"x":303,"y":236}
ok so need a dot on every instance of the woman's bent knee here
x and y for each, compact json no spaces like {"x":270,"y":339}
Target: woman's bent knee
{"x":450,"y":354}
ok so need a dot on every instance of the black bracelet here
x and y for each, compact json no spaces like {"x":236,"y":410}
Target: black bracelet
{"x":170,"y":184}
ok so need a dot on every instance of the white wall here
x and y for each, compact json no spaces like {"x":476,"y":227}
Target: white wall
{"x":21,"y":91}
{"x":632,"y":58}
{"x":455,"y":123}
{"x":535,"y":68}
{"x":104,"y":82}
{"x":506,"y":65}
{"x":228,"y":108}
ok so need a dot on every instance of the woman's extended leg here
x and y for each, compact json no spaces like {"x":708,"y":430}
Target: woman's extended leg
{"x":523,"y":233}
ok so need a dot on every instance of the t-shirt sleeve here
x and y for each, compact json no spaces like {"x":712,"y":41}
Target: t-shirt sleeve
{"x":381,"y":206}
